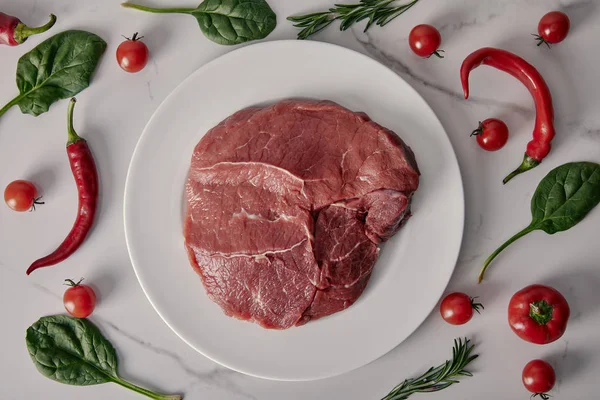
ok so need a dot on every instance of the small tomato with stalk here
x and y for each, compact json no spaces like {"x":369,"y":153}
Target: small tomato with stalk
{"x":538,"y":314}
{"x":132,"y":54}
{"x":457,"y":308}
{"x":424,"y":40}
{"x":539,"y":378}
{"x":491,"y":134}
{"x":22,"y":196}
{"x":79,"y":300}
{"x":553,"y":28}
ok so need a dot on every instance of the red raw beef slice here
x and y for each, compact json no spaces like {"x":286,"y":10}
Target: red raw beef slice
{"x":287,"y":205}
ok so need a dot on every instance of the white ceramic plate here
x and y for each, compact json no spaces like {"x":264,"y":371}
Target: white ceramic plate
{"x":409,"y":269}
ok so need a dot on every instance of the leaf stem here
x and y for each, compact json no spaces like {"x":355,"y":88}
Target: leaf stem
{"x":158,"y":10}
{"x":145,"y":392}
{"x":487,"y":262}
{"x":11,"y":103}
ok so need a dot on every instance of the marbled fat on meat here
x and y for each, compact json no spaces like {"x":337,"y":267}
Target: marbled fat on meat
{"x":287,"y":205}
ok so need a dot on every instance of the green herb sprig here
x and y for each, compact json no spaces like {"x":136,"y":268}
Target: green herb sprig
{"x":378,"y":12}
{"x":438,"y":378}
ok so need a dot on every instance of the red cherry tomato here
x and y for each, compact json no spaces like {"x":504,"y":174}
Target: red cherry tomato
{"x":457,"y":308}
{"x":21,"y":196}
{"x":79,"y":300}
{"x":424,"y":40}
{"x":492,"y":134}
{"x":553,"y":28}
{"x":539,"y":377}
{"x":132,"y":54}
{"x":538,"y":314}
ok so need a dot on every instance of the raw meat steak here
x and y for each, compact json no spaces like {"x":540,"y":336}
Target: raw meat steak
{"x":287,"y":205}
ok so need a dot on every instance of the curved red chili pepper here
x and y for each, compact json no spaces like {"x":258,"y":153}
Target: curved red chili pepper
{"x":13,"y":32}
{"x":543,"y":132}
{"x":86,"y":179}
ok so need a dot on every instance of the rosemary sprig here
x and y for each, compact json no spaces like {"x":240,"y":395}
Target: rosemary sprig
{"x":438,"y":378}
{"x":378,"y":12}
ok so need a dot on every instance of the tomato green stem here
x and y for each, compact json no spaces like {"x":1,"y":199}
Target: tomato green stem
{"x":145,"y":392}
{"x":437,"y":53}
{"x":476,"y":306}
{"x":487,"y":262}
{"x":158,"y":10}
{"x":72,"y":283}
{"x":22,"y":31}
{"x":478,"y":131}
{"x":543,"y":396}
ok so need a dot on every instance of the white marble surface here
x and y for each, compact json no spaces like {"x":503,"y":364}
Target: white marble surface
{"x":113,"y":111}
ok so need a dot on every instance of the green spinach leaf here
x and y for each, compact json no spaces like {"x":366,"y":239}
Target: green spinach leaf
{"x":562,"y":199}
{"x":58,"y":68}
{"x":565,"y":196}
{"x":226,"y":22}
{"x":73,"y":351}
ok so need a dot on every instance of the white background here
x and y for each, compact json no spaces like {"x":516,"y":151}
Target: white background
{"x":113,"y":111}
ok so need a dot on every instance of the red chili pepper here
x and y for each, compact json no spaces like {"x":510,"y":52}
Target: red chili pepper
{"x":543,"y":132}
{"x":86,"y":179}
{"x":13,"y":32}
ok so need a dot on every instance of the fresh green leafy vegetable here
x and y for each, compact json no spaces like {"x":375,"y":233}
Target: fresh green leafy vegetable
{"x":440,"y":377}
{"x":58,"y":68}
{"x":73,"y":351}
{"x":226,"y":22}
{"x":378,"y":12}
{"x":562,"y":199}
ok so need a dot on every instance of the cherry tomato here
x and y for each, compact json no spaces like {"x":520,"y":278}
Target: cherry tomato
{"x":21,"y":196}
{"x":457,"y":308}
{"x":492,"y":134}
{"x":553,"y":28}
{"x":424,"y":40}
{"x":79,"y":300}
{"x":539,"y":377}
{"x":538,"y":314}
{"x":132,"y":54}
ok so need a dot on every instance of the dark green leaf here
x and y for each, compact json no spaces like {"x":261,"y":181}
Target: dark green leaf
{"x":565,"y":196}
{"x":57,"y":68}
{"x":226,"y":21}
{"x":562,"y":199}
{"x":232,"y":22}
{"x":71,"y":351}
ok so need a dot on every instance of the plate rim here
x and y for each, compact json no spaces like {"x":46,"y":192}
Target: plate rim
{"x":174,"y":92}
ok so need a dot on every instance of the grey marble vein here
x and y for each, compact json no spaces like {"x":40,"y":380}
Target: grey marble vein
{"x":395,"y":64}
{"x":576,"y":6}
{"x":150,"y":95}
{"x":472,"y":22}
{"x":584,"y":130}
{"x":218,"y":376}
